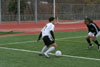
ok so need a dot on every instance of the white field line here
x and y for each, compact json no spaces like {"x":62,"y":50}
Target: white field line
{"x":70,"y":38}
{"x":30,"y":51}
{"x":18,"y":42}
{"x":36,"y":41}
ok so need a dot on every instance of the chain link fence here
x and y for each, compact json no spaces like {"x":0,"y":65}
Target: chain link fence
{"x":9,"y":10}
{"x":64,"y":11}
{"x":77,"y":11}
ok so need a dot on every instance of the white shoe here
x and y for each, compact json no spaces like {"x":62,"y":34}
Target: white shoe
{"x":90,"y":46}
{"x":46,"y":55}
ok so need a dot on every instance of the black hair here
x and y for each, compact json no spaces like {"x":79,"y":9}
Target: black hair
{"x":90,"y":21}
{"x":51,"y":19}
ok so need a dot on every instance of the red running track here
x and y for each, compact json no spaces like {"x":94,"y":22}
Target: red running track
{"x":31,"y":28}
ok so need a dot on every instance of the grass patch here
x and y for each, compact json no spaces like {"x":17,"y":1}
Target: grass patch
{"x":70,"y":43}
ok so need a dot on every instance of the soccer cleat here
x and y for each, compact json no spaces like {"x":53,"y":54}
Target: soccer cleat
{"x":90,"y":46}
{"x":41,"y":54}
{"x":98,"y":48}
{"x":46,"y":55}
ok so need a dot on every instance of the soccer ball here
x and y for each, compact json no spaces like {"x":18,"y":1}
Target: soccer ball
{"x":58,"y":53}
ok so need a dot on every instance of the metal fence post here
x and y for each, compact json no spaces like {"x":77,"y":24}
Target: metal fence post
{"x":54,"y":8}
{"x":35,"y":11}
{"x":18,"y":10}
{"x":0,"y":13}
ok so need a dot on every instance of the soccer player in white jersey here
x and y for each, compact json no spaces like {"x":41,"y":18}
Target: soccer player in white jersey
{"x":47,"y":34}
{"x":94,"y":32}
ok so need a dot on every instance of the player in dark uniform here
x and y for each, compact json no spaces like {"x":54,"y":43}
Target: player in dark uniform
{"x":93,"y":32}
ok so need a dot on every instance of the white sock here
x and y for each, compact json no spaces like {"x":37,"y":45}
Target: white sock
{"x":50,"y":49}
{"x":43,"y":49}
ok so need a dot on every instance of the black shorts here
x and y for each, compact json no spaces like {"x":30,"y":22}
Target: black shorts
{"x":47,"y":41}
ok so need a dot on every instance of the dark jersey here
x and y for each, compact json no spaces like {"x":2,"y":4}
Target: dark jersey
{"x":92,"y":27}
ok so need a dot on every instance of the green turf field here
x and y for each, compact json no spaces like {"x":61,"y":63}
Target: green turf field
{"x":22,"y":51}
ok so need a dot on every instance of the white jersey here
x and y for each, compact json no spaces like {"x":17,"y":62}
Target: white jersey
{"x":46,"y":30}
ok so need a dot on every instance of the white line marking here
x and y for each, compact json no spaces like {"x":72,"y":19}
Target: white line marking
{"x":18,"y":42}
{"x":36,"y":41}
{"x":70,"y":38}
{"x":86,"y":58}
{"x":19,"y":50}
{"x":23,"y":50}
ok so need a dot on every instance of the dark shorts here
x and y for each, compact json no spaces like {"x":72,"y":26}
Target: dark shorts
{"x":47,"y":41}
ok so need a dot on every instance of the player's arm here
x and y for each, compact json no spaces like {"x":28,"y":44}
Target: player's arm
{"x":94,"y":29}
{"x":52,"y":34}
{"x":88,"y":28}
{"x":39,"y":36}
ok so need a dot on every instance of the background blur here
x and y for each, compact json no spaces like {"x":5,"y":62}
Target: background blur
{"x":64,"y":10}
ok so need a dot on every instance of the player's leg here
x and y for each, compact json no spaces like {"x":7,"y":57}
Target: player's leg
{"x":96,"y":41}
{"x":89,"y":41}
{"x":90,"y":34}
{"x":43,"y":50}
{"x":45,"y":40}
{"x":52,"y":48}
{"x":98,"y":34}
